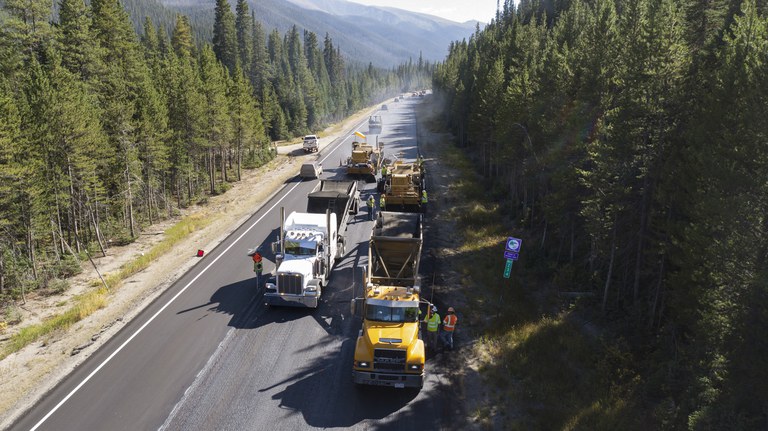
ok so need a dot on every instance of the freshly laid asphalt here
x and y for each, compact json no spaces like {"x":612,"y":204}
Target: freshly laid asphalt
{"x":209,"y":355}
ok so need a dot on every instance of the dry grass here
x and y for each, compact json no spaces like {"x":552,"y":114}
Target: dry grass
{"x":546,"y":373}
{"x":86,"y":304}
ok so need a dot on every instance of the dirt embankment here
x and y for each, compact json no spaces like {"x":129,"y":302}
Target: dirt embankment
{"x":29,"y":373}
{"x":443,"y":237}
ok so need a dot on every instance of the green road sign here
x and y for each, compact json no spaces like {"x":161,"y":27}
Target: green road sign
{"x":508,"y":268}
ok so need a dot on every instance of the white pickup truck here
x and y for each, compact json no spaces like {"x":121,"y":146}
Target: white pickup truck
{"x":311,"y":143}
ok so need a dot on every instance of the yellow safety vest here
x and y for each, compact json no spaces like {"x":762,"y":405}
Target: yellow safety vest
{"x":433,"y":322}
{"x":371,"y":202}
{"x":424,"y":197}
{"x":382,"y":201}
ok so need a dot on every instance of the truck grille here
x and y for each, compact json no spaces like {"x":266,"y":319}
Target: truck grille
{"x":387,"y":359}
{"x":290,"y":284}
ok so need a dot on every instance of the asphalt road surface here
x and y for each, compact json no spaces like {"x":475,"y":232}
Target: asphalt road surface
{"x":209,"y":355}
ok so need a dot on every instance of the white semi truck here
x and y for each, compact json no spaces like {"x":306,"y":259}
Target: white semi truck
{"x":304,"y":255}
{"x":310,"y":243}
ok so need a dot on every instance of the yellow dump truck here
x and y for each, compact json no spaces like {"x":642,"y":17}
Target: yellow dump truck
{"x":389,"y":349}
{"x":365,"y":160}
{"x":403,"y":185}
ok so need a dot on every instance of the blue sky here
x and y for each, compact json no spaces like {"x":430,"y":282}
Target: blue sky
{"x":454,"y":10}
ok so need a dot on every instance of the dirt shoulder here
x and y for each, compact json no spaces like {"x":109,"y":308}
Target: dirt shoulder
{"x":34,"y":370}
{"x":443,"y":237}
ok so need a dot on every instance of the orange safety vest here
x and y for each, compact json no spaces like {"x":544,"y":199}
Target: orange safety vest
{"x":449,"y":323}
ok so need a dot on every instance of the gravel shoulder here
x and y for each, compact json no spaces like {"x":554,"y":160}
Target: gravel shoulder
{"x":443,"y":236}
{"x":30,"y":373}
{"x":33,"y":371}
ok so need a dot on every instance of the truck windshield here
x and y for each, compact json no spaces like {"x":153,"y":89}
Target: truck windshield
{"x":383,"y":313}
{"x":295,"y":249}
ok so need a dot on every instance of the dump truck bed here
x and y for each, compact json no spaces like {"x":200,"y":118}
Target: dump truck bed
{"x":395,"y":249}
{"x":338,"y":196}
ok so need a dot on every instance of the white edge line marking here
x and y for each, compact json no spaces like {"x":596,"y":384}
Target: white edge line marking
{"x":125,"y":343}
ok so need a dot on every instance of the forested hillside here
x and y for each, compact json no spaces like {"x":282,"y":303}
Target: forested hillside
{"x":629,"y":139}
{"x":102,"y":133}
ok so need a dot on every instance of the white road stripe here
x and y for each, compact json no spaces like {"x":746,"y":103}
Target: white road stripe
{"x":154,"y":316}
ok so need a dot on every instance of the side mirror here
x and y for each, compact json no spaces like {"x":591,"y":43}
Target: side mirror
{"x":357,"y":306}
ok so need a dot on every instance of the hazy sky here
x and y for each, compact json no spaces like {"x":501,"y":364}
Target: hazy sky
{"x":454,"y":10}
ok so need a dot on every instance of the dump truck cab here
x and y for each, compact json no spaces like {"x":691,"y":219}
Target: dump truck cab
{"x":389,"y":349}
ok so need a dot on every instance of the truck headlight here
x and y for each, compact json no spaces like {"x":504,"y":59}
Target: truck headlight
{"x":270,"y":287}
{"x":415,"y":367}
{"x":362,"y":364}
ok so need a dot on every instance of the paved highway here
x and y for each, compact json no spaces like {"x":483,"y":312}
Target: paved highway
{"x":209,"y":355}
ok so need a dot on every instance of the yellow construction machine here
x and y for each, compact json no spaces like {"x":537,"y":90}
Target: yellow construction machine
{"x":403,"y":185}
{"x":365,"y":159}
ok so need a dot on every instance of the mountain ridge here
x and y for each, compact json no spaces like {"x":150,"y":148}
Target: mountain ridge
{"x":383,"y":36}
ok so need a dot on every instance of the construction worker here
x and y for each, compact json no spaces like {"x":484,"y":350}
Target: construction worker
{"x":433,"y":325}
{"x":449,"y":326}
{"x":383,"y":202}
{"x":258,"y":266}
{"x":371,"y":206}
{"x":424,"y":201}
{"x":384,"y":171}
{"x":420,"y":161}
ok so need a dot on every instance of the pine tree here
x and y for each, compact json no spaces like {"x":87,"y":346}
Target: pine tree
{"x":122,"y":85}
{"x":247,"y":124}
{"x":243,"y":26}
{"x":261,"y":71}
{"x":217,"y":127}
{"x":12,"y":173}
{"x":79,"y":49}
{"x":225,"y":35}
{"x":182,"y":38}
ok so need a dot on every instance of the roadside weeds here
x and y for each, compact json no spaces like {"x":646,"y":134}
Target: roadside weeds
{"x":523,"y":362}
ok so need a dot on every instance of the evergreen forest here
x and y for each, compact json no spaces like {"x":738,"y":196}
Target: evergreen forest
{"x":104,"y":131}
{"x":628,"y":139}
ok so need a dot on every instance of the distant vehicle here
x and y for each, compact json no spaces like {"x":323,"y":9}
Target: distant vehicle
{"x":396,"y":100}
{"x":311,"y":170}
{"x":385,"y":108}
{"x":311,"y":143}
{"x":374,"y":124}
